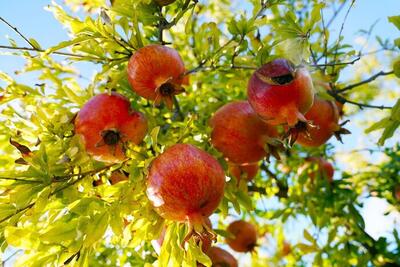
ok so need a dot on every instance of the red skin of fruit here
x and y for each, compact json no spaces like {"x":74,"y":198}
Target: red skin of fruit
{"x":245,"y":236}
{"x":221,"y":258}
{"x":239,"y":133}
{"x":238,"y":171}
{"x":107,"y":113}
{"x":205,"y":239}
{"x":324,"y":115}
{"x":185,"y":184}
{"x":280,"y":103}
{"x":156,"y":72}
{"x":325,"y":168}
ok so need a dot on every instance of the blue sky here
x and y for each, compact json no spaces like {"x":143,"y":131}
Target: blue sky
{"x":30,"y":18}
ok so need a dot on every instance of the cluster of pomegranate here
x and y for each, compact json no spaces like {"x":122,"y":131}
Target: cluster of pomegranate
{"x":185,"y":183}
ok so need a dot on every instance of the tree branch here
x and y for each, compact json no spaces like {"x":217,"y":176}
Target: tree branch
{"x":343,"y":100}
{"x":19,"y":179}
{"x":19,"y":33}
{"x":370,"y":79}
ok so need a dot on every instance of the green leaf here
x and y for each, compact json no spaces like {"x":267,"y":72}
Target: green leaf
{"x":60,"y":232}
{"x":396,"y":67}
{"x":98,"y":225}
{"x":395,"y":20}
{"x":306,"y":249}
{"x":20,"y":237}
{"x":308,"y":236}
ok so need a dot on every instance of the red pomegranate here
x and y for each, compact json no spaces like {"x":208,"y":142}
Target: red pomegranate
{"x":240,"y":134}
{"x":186,"y":184}
{"x":239,"y":171}
{"x":325,"y":168}
{"x":156,"y":72}
{"x":281,"y":93}
{"x":244,"y":236}
{"x":105,"y":123}
{"x":221,"y":258}
{"x":324,"y":117}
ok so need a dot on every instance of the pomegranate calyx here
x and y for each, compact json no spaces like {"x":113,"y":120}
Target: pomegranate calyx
{"x":111,"y":137}
{"x":166,"y":91}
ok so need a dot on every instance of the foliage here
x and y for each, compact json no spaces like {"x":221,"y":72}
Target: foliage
{"x":49,"y":206}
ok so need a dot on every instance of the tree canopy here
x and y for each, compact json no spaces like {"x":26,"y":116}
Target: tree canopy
{"x":60,"y":206}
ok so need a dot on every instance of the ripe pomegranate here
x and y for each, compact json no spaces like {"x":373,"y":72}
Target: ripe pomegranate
{"x":240,"y":171}
{"x":324,"y":116}
{"x":221,"y":258}
{"x":156,"y":72}
{"x":325,"y":168}
{"x":206,"y":239}
{"x":105,"y":123}
{"x":240,"y":134}
{"x":245,"y":236}
{"x":164,"y":2}
{"x":186,"y":184}
{"x":281,"y":93}
{"x":117,"y":177}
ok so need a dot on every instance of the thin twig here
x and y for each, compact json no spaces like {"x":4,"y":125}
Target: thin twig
{"x":344,"y":100}
{"x":19,"y":33}
{"x":337,"y":63}
{"x":370,"y":79}
{"x":340,"y":33}
{"x":12,"y":255}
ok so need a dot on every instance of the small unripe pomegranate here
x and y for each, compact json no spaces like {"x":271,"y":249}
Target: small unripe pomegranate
{"x":239,"y":171}
{"x":186,"y":184}
{"x":281,"y":93}
{"x":245,"y":236}
{"x":240,"y":134}
{"x":325,"y":168}
{"x":106,"y":123}
{"x":324,"y":117}
{"x":164,"y":2}
{"x":157,"y":72}
{"x":221,"y":258}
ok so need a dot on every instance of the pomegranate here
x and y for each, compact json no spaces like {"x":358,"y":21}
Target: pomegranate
{"x":206,"y":239}
{"x":240,"y":171}
{"x":106,"y":123}
{"x":325,"y":168}
{"x":244,"y":236}
{"x":240,"y":135}
{"x":324,"y":116}
{"x":281,"y":93}
{"x":156,"y":72}
{"x":221,"y":258}
{"x":186,"y":184}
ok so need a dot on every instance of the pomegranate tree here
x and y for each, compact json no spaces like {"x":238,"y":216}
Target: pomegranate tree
{"x":106,"y":123}
{"x":157,"y":72}
{"x":186,"y":184}
{"x":244,"y":236}
{"x":280,"y":92}
{"x":240,"y":134}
